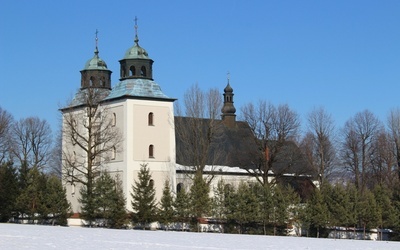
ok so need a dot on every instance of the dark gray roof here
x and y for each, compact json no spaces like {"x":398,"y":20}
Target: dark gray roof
{"x":234,"y":147}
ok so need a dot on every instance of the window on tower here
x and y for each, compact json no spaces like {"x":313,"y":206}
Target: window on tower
{"x":151,"y":151}
{"x":132,"y":71}
{"x":151,"y":119}
{"x":143,"y":71}
{"x":113,"y":153}
{"x":114,"y":120}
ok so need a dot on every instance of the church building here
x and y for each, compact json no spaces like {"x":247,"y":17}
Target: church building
{"x":145,"y":131}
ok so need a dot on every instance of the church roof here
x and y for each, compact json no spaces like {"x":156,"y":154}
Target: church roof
{"x":229,"y":146}
{"x":234,"y":147}
{"x":141,"y":88}
{"x":81,"y":97}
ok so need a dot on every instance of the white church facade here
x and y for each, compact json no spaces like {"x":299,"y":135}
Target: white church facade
{"x":144,"y":118}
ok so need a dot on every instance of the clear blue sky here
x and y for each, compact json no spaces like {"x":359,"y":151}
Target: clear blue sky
{"x":342,"y":55}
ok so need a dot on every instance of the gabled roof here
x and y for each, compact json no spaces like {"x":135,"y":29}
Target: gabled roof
{"x":233,"y":147}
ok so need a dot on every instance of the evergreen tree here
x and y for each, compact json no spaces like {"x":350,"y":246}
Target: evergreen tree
{"x":55,"y":206}
{"x":384,"y":203}
{"x":247,"y":207}
{"x":219,"y":201}
{"x":230,"y":206}
{"x":143,"y":197}
{"x":166,"y":213}
{"x":8,"y":191}
{"x":118,"y":218}
{"x":353,"y":207}
{"x":31,"y":199}
{"x":369,"y":212}
{"x":265,"y":199}
{"x":337,"y":201}
{"x":285,"y":201}
{"x":88,"y":206}
{"x":104,"y":197}
{"x":200,"y":202}
{"x":317,"y":211}
{"x":181,"y":206}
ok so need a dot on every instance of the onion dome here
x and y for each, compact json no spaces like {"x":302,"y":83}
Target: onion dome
{"x":136,"y":52}
{"x":96,"y":63}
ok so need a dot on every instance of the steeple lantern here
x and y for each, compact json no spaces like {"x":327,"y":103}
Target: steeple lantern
{"x":228,"y":110}
{"x":136,"y":62}
{"x":96,"y":74}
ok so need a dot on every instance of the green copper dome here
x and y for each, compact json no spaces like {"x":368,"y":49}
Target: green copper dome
{"x":136,"y":52}
{"x":96,"y":63}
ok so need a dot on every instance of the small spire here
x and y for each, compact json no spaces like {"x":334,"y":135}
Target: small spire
{"x":96,"y":51}
{"x":228,"y":76}
{"x":136,"y":32}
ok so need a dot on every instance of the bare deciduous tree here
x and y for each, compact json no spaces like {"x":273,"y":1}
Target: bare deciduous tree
{"x":31,"y":143}
{"x":275,"y":130}
{"x":89,"y":138}
{"x":6,"y":120}
{"x":318,"y":143}
{"x":197,"y":128}
{"x":358,"y":134}
{"x":383,"y":162}
{"x":393,"y":123}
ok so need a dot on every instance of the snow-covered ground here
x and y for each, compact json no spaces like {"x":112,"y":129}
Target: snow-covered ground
{"x":13,"y":236}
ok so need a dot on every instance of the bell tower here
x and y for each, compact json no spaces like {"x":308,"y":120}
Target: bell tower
{"x":136,"y":63}
{"x":96,"y":74}
{"x":228,"y":110}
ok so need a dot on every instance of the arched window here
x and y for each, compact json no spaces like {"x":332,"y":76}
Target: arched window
{"x":143,"y":71}
{"x":179,"y":187}
{"x":151,"y":151}
{"x":151,"y":183}
{"x":113,"y":153}
{"x":132,"y":71}
{"x":122,"y":72}
{"x":91,"y":82}
{"x":114,"y":119}
{"x":151,"y":119}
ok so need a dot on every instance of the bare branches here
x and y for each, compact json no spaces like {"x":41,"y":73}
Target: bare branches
{"x":358,"y":135}
{"x":318,"y":142}
{"x":32,"y":141}
{"x":275,"y":130}
{"x":6,"y":120}
{"x":89,"y":137}
{"x":197,"y":132}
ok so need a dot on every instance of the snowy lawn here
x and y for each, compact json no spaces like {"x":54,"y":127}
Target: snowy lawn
{"x":13,"y":236}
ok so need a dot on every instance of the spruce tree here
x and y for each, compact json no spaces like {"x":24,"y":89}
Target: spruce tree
{"x":104,"y":193}
{"x":143,"y":197}
{"x":31,"y":199}
{"x":56,"y":205}
{"x":265,"y":200}
{"x":285,"y":203}
{"x":166,"y":212}
{"x":369,"y":213}
{"x":247,"y":206}
{"x":200,"y":201}
{"x":118,"y":218}
{"x":218,"y":201}
{"x":337,"y":201}
{"x":88,"y":206}
{"x":181,"y":207}
{"x":317,"y":211}
{"x":388,"y":215}
{"x":8,"y":191}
